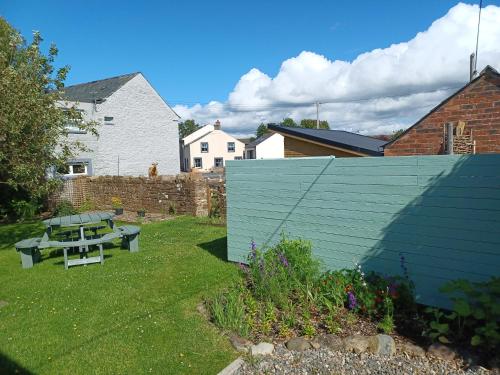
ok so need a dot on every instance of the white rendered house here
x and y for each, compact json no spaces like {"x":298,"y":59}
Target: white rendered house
{"x":136,"y":128}
{"x":208,"y":148}
{"x":269,"y":146}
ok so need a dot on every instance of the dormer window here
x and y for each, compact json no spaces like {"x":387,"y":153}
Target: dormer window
{"x":204,"y":146}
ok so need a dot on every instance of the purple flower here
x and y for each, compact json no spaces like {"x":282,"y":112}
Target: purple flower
{"x":253,"y":245}
{"x":283,"y":259}
{"x":253,"y":252}
{"x":403,"y":265}
{"x":352,"y":300}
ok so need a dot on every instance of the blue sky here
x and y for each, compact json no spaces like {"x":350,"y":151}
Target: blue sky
{"x":197,"y":51}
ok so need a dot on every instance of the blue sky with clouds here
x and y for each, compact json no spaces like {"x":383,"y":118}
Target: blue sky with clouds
{"x":198,"y":51}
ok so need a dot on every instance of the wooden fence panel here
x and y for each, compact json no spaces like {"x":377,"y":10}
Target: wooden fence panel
{"x":441,"y":212}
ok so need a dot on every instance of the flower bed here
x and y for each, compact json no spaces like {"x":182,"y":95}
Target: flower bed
{"x":284,"y":294}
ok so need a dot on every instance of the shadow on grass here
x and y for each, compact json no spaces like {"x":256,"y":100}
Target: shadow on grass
{"x":12,"y":233}
{"x":8,"y":366}
{"x":216,"y":247}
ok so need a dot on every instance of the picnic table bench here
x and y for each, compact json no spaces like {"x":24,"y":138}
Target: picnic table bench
{"x":30,"y":248}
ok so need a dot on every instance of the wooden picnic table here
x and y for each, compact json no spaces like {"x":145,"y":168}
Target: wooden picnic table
{"x":29,"y":248}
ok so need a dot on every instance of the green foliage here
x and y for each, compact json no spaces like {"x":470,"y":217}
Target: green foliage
{"x":374,"y":295}
{"x":228,"y":311}
{"x":172,"y":208}
{"x":86,"y":206}
{"x":386,"y":325}
{"x":64,"y":208}
{"x":33,"y":127}
{"x":261,"y":130}
{"x":116,"y":202}
{"x":25,"y":210}
{"x":187,"y":127}
{"x":476,"y":311}
{"x":280,"y":273}
{"x":289,"y":123}
{"x":395,"y":134}
{"x":312,"y":124}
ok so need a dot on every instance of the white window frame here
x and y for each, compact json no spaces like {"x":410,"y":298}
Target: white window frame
{"x":201,"y":147}
{"x":72,"y":173}
{"x":233,"y":149}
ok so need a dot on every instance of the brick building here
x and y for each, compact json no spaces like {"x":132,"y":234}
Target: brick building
{"x":474,"y":111}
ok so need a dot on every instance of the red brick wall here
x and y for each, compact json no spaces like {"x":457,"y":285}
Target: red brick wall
{"x":478,"y":105}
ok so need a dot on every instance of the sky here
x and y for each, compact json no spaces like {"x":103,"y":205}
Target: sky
{"x":375,"y":66}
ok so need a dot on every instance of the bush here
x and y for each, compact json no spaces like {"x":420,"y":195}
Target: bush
{"x":372,"y":294}
{"x":64,"y":208}
{"x":282,"y":273}
{"x":475,"y":317}
{"x":24,"y":210}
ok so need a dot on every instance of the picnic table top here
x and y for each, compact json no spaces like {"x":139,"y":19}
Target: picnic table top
{"x":78,"y":220}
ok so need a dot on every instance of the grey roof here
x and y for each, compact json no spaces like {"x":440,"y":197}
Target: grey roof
{"x":95,"y":90}
{"x":258,"y":140}
{"x":337,"y":138}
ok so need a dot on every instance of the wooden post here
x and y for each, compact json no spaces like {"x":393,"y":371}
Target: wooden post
{"x":449,"y":140}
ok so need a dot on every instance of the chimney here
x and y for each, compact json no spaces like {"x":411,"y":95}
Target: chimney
{"x":217,"y":125}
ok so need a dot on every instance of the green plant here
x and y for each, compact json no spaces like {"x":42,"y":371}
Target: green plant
{"x":476,"y":310}
{"x":284,"y":272}
{"x":64,"y":208}
{"x":116,"y":202}
{"x":172,"y":208}
{"x":308,"y":328}
{"x":24,"y":210}
{"x":87,"y":205}
{"x":438,"y":328}
{"x":386,"y":325}
{"x":228,"y":311}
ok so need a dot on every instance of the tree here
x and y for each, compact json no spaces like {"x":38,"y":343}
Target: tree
{"x":311,"y":124}
{"x":187,"y":127}
{"x":33,"y":123}
{"x":396,"y":133}
{"x":261,"y":130}
{"x":289,"y":123}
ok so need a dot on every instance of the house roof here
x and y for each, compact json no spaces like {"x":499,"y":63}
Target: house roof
{"x":487,"y":70}
{"x":337,"y":138}
{"x":201,"y":132}
{"x":259,"y":140}
{"x":95,"y":90}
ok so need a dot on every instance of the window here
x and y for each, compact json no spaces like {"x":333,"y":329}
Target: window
{"x":198,"y":163}
{"x":230,"y":147}
{"x":204,"y":146}
{"x":108,"y":120}
{"x":74,"y":169}
{"x":218,"y":162}
{"x":250,"y":154}
{"x":238,"y":158}
{"x":73,"y":124}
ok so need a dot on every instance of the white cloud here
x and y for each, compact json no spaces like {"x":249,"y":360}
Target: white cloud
{"x":380,"y":91}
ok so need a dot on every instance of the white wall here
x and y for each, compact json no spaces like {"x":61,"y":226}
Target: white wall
{"x":217,"y":147}
{"x":271,"y":148}
{"x":144,"y":130}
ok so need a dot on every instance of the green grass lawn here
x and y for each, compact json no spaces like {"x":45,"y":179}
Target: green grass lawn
{"x":135,"y":314}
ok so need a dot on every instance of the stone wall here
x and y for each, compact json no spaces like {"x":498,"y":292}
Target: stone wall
{"x":183,"y":194}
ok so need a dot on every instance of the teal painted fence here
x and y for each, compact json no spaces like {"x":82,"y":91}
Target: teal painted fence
{"x":441,"y":212}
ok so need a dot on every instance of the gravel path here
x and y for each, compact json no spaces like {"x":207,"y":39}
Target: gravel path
{"x":324,"y":361}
